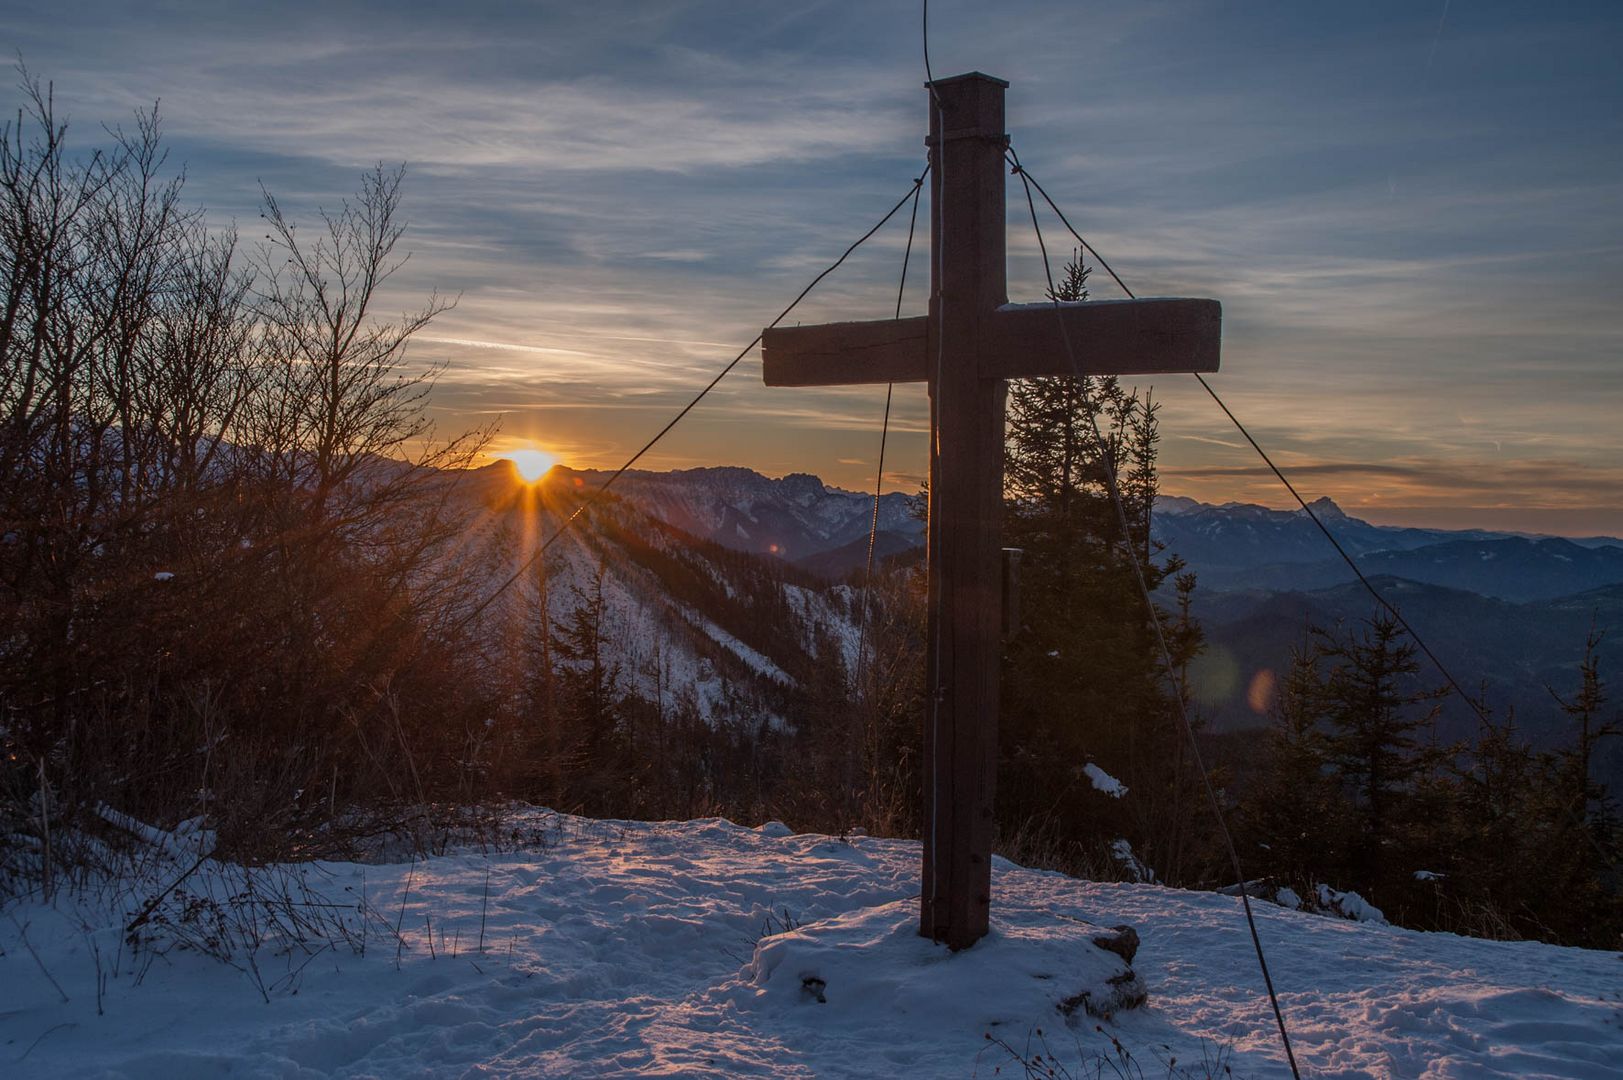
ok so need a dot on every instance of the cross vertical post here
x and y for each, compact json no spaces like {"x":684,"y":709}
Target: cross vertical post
{"x":968,"y":284}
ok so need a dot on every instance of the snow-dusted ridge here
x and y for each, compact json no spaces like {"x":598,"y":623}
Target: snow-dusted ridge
{"x":630,"y":949}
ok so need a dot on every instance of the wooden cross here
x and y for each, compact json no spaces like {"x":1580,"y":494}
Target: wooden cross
{"x":969,"y":343}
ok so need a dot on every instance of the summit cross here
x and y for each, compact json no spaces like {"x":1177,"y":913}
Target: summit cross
{"x":971,"y":341}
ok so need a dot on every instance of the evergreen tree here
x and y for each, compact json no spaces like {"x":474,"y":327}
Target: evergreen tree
{"x":1485,"y":841}
{"x":1082,"y":678}
{"x":1370,"y":733}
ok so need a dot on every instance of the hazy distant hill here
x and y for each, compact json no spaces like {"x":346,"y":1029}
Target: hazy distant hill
{"x":1238,"y":536}
{"x":1245,"y":547}
{"x":1514,"y":568}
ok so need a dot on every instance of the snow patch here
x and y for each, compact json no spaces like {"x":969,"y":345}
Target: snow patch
{"x":1103,"y":781}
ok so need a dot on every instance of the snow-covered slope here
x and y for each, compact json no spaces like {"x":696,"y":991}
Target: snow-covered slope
{"x":702,"y":948}
{"x":683,"y":616}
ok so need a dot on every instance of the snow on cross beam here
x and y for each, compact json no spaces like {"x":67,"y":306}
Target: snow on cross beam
{"x":972,"y":340}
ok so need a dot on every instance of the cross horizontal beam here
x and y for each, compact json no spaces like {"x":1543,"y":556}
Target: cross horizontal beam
{"x":1018,"y":341}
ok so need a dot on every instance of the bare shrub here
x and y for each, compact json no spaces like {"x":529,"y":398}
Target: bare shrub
{"x":225,"y":521}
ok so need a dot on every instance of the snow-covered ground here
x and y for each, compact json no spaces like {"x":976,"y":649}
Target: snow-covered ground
{"x":702,"y":949}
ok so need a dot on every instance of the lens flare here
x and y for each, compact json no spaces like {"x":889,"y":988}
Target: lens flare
{"x":1260,"y":694}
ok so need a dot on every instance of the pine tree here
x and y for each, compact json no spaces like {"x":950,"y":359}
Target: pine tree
{"x":1082,"y":679}
{"x":1370,"y":732}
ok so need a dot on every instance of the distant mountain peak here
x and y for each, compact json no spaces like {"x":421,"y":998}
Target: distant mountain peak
{"x":1325,"y":509}
{"x":803,"y":487}
{"x":1177,"y":504}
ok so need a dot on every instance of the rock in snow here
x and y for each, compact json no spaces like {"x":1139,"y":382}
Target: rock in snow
{"x":707,"y":949}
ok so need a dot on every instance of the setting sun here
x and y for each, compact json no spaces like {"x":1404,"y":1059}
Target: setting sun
{"x":531,"y":464}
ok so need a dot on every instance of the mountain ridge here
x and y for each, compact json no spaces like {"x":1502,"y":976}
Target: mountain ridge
{"x":801,"y":519}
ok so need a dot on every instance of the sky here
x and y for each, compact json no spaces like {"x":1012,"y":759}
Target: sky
{"x":1412,"y":212}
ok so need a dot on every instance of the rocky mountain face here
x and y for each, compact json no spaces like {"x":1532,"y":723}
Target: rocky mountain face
{"x":796,"y":518}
